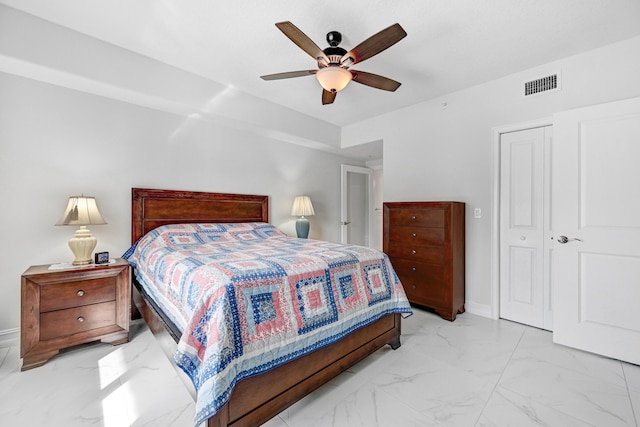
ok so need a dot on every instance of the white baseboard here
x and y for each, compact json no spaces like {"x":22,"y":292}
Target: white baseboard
{"x":478,"y":309}
{"x":9,"y":337}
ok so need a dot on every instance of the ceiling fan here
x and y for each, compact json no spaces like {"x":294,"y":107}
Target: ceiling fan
{"x":333,"y":71}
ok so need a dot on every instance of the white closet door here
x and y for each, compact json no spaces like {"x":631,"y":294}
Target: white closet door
{"x":524,"y":256}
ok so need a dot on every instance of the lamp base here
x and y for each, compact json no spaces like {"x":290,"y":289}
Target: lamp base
{"x":82,"y":245}
{"x":302,"y":228}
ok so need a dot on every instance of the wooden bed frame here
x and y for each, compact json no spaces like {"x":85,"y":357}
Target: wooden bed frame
{"x":257,"y":399}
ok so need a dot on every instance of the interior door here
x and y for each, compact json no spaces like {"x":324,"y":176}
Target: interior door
{"x":596,"y":224}
{"x":525,"y":295}
{"x":356,"y":200}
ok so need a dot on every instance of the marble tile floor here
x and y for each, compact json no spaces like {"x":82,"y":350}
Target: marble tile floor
{"x":471,"y":372}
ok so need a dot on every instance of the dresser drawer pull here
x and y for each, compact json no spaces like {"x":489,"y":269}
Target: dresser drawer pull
{"x":413,"y":252}
{"x":80,"y":293}
{"x":413,"y":287}
{"x":413,"y":269}
{"x":414,"y":234}
{"x":80,"y":319}
{"x":413,"y":217}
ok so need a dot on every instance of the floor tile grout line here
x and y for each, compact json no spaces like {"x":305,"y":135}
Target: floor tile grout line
{"x":506,"y":365}
{"x":382,"y":390}
{"x":4,"y":359}
{"x":626,"y":383}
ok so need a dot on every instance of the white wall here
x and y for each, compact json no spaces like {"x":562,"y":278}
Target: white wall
{"x":56,"y":142}
{"x":442,"y":149}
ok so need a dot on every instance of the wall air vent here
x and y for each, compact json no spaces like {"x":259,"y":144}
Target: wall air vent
{"x":544,"y":84}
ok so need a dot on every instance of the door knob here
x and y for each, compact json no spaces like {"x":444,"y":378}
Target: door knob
{"x":565,"y":239}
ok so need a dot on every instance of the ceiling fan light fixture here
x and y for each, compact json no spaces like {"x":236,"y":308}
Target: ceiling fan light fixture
{"x":333,"y":78}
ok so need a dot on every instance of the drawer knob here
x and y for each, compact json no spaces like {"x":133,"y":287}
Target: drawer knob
{"x":80,"y":319}
{"x":413,"y":251}
{"x":413,"y":287}
{"x":413,"y":269}
{"x":80,"y":293}
{"x":413,"y":217}
{"x":414,"y":234}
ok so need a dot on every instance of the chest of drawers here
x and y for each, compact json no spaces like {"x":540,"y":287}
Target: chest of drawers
{"x":425,"y":243}
{"x":63,"y":308}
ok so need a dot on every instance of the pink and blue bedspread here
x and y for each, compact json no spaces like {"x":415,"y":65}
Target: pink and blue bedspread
{"x":248,"y":298}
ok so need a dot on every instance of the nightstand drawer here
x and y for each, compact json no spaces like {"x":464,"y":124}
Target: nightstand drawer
{"x":62,"y":323}
{"x":75,"y":294}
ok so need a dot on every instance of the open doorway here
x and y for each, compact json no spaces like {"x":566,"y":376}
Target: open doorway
{"x":356,"y":205}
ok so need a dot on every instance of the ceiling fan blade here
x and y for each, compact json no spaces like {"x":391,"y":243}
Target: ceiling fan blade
{"x":328,"y":97}
{"x":374,"y":45}
{"x":289,"y":74}
{"x":302,"y":41}
{"x":374,"y":80}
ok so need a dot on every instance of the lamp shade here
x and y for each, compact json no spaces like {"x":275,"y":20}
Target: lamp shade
{"x":81,"y":210}
{"x":302,"y":206}
{"x":333,"y":78}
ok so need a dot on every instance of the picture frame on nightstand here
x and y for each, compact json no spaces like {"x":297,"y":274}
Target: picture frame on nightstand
{"x":101,"y":258}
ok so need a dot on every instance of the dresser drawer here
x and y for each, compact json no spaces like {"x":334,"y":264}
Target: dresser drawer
{"x":434,"y":218}
{"x":423,"y":283}
{"x":77,"y":293}
{"x":407,"y":269}
{"x":433,"y":254}
{"x":62,"y":323}
{"x":423,"y":293}
{"x":417,"y":235}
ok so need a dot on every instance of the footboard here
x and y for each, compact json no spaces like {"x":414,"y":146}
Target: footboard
{"x":259,"y":398}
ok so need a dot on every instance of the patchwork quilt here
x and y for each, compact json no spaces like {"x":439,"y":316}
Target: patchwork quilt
{"x":247,"y":298}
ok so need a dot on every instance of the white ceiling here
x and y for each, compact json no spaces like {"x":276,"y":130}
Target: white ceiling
{"x":451,"y":44}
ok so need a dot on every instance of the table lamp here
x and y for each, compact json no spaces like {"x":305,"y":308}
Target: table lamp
{"x":302,"y":207}
{"x":82,"y":211}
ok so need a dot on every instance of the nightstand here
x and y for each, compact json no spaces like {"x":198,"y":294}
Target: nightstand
{"x":66,"y":307}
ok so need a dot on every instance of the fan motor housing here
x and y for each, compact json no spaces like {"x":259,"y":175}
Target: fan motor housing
{"x":334,"y":54}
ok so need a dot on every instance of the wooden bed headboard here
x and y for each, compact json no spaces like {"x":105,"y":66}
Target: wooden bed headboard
{"x":152,"y":208}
